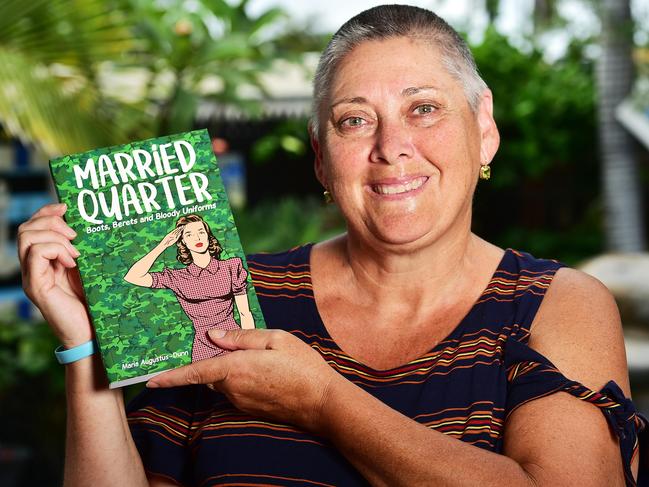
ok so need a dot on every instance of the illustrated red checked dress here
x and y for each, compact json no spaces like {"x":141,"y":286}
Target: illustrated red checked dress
{"x":206,"y":295}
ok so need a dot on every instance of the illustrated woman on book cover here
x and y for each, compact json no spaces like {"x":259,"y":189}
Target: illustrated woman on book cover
{"x":207,"y":288}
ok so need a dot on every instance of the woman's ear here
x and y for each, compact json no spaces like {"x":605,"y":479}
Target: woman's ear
{"x":489,"y":136}
{"x":317,"y":150}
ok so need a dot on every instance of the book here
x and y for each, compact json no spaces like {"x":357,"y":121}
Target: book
{"x":161,"y":262}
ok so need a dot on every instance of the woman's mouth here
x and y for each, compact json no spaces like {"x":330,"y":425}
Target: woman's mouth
{"x":391,"y":188}
{"x":199,"y":244}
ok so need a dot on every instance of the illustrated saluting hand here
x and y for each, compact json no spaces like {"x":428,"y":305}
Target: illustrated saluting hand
{"x":172,"y":237}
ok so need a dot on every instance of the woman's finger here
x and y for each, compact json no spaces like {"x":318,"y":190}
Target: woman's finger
{"x":27,"y":238}
{"x":208,"y":371}
{"x":41,"y":254}
{"x":38,"y":264}
{"x":47,"y":222}
{"x":256,"y":339}
{"x":56,"y":209}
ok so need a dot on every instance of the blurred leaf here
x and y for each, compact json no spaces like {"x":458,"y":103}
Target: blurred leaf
{"x":26,"y":349}
{"x":292,"y":145}
{"x":73,"y":32}
{"x":289,"y":137}
{"x":264,"y":148}
{"x":267,"y":19}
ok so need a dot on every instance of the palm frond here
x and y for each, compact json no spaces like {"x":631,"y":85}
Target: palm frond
{"x":73,"y":32}
{"x":37,"y":107}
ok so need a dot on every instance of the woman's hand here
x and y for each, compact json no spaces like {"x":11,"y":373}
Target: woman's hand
{"x":270,"y":373}
{"x":49,"y":275}
{"x":171,"y":238}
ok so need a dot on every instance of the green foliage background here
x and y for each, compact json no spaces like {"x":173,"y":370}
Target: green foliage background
{"x":132,"y":322}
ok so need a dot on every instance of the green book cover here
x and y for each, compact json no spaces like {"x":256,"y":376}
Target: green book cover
{"x":161,"y":262}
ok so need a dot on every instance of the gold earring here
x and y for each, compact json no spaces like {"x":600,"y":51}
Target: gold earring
{"x":485,"y":172}
{"x":327,"y":197}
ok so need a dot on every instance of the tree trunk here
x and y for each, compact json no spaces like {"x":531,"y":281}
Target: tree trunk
{"x":545,"y":12}
{"x":492,"y":7}
{"x":624,"y":221}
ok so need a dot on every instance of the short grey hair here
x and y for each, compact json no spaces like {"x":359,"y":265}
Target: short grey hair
{"x":387,"y":21}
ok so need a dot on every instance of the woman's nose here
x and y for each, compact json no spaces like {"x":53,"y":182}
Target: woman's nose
{"x":393,"y":143}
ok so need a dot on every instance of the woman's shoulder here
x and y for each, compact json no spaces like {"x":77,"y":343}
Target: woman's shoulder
{"x":578,"y":328}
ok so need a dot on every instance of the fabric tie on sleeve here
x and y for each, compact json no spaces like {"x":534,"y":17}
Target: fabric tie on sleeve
{"x":530,"y":376}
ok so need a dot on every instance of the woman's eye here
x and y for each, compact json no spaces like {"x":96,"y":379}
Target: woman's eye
{"x":424,"y":109}
{"x":352,"y":122}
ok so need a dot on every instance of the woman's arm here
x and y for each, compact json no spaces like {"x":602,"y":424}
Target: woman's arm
{"x":578,"y":329}
{"x":555,"y":440}
{"x":138,"y":274}
{"x":99,"y":447}
{"x":245,"y":316}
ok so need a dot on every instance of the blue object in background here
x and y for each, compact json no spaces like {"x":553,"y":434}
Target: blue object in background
{"x":233,"y":173}
{"x":24,"y":205}
{"x":21,"y":155}
{"x":23,"y":190}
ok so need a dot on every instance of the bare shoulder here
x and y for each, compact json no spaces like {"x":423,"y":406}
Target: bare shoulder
{"x":578,"y":329}
{"x":557,"y":438}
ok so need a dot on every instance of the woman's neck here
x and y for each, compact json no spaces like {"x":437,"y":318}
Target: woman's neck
{"x":394,"y":268}
{"x":423,"y":276}
{"x":201,"y":260}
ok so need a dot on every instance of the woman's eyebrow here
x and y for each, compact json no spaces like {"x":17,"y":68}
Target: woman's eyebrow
{"x":418,"y":89}
{"x":356,"y":99}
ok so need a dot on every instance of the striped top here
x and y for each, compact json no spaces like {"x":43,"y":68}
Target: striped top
{"x":465,"y":387}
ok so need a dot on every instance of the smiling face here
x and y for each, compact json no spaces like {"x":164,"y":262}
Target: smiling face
{"x":400,"y":149}
{"x":195,"y":237}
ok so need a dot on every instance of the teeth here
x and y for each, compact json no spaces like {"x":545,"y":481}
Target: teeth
{"x":399,"y":188}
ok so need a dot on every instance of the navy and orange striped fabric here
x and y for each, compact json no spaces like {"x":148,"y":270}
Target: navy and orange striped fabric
{"x":465,"y":387}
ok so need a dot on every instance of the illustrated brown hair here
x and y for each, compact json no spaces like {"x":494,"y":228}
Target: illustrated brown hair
{"x":184,"y":255}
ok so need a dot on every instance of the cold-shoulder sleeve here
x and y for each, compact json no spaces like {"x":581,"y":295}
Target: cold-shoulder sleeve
{"x":530,"y":376}
{"x":160,"y":422}
{"x":239,"y":274}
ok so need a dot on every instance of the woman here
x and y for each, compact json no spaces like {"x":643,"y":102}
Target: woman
{"x":206,"y":289}
{"x":405,"y":334}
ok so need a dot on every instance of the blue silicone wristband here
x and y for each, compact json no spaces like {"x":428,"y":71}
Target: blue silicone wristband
{"x":75,"y":353}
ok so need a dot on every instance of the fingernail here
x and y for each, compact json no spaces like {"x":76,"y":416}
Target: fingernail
{"x":152,"y":385}
{"x":75,"y":252}
{"x":71,"y":232}
{"x":216,"y":333}
{"x":63,"y":206}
